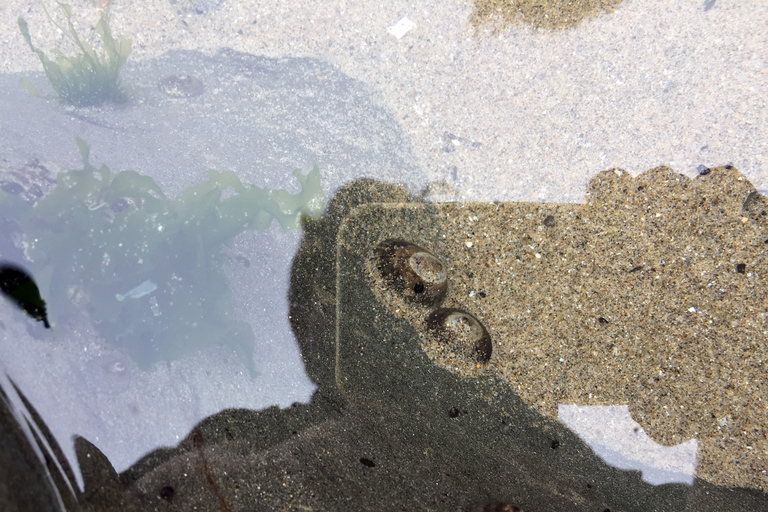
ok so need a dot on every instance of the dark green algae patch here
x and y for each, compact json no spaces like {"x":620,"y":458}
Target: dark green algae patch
{"x":146,"y":268}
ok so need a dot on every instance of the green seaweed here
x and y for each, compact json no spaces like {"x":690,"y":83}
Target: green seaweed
{"x":88,"y":78}
{"x":148,"y":269}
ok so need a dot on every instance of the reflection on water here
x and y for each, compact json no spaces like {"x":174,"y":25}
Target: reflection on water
{"x":126,"y":270}
{"x":145,"y":267}
{"x":386,"y":426}
{"x":167,"y":312}
{"x":83,"y":385}
{"x":622,"y":443}
{"x":133,"y":362}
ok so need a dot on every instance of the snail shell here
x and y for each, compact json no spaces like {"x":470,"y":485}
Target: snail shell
{"x":181,"y":86}
{"x":413,"y":271}
{"x":462,"y":332}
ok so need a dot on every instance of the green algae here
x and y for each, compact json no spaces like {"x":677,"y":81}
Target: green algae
{"x":99,"y":237}
{"x":88,"y":78}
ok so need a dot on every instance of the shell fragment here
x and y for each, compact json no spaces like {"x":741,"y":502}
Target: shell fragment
{"x":401,"y":28}
{"x":143,"y":289}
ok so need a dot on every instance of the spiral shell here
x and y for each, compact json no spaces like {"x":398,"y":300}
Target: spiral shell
{"x":412,"y":271}
{"x":462,"y":332}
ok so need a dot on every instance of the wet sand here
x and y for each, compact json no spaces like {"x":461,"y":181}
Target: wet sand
{"x":652,"y":295}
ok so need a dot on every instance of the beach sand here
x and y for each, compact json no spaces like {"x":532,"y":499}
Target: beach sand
{"x":500,"y":112}
{"x":515,"y":113}
{"x":652,"y":295}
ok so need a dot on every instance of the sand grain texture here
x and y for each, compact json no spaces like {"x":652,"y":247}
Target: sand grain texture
{"x":653,"y":295}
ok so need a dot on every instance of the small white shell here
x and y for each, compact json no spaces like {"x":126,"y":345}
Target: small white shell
{"x":143,"y":289}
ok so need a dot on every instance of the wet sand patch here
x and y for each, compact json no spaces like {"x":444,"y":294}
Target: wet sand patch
{"x":652,"y":295}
